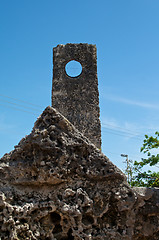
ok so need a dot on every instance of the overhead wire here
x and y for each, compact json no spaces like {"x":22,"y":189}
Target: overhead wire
{"x":120,"y":133}
{"x":20,"y":100}
{"x":19,"y":105}
{"x":123,"y":129}
{"x":113,"y":130}
{"x":123,"y":132}
{"x":126,"y":130}
{"x":22,"y":110}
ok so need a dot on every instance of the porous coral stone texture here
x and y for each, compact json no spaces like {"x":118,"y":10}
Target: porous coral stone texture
{"x":77,"y":98}
{"x":56,"y":184}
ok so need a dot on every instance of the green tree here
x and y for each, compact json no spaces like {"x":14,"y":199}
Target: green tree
{"x":147,"y":178}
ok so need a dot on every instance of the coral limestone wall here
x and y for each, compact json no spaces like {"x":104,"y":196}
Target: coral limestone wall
{"x":77,"y":98}
{"x":56,"y":184}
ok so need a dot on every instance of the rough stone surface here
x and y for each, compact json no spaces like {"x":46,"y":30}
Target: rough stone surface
{"x":77,"y":98}
{"x":56,"y":185}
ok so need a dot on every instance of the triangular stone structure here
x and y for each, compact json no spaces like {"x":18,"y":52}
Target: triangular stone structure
{"x":56,"y":185}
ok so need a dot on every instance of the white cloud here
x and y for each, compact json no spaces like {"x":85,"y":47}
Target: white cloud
{"x":111,"y":122}
{"x":132,"y":102}
{"x":127,"y":127}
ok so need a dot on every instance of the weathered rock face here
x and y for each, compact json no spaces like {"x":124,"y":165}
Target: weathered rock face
{"x":77,"y":98}
{"x":57,"y":185}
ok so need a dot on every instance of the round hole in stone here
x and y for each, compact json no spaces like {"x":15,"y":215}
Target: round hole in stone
{"x":73,"y":68}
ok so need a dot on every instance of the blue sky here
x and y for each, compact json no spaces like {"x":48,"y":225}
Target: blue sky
{"x":127,"y":38}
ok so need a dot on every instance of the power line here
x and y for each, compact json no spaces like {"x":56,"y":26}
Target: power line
{"x":103,"y":124}
{"x":33,"y":113}
{"x":20,"y":100}
{"x":124,"y":129}
{"x":121,"y":134}
{"x":19,"y":105}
